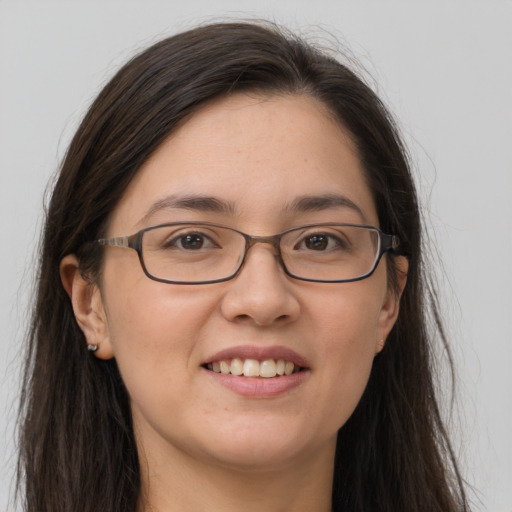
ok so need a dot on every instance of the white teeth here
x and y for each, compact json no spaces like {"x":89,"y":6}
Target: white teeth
{"x":288,"y":368}
{"x":237,"y":366}
{"x":268,"y":368}
{"x":224,"y":367}
{"x":252,"y":368}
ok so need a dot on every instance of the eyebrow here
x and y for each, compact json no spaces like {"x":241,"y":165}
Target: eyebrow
{"x":190,"y":202}
{"x":303,"y":204}
{"x":323,"y":202}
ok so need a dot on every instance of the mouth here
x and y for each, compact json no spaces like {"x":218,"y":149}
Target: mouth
{"x":266,"y":368}
{"x":257,"y":362}
{"x":258,"y":372}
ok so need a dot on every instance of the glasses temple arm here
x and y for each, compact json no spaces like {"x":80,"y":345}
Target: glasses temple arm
{"x":390,"y":242}
{"x":117,"y":241}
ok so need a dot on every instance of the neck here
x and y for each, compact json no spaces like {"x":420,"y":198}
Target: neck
{"x":179,"y":482}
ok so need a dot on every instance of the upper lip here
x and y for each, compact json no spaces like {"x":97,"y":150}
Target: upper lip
{"x":260,"y":354}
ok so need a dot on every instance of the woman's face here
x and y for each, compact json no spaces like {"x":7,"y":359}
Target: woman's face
{"x":269,"y":162}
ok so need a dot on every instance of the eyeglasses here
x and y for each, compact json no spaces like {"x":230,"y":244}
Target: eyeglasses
{"x":202,"y":253}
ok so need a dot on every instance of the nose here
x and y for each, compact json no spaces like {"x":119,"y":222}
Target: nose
{"x":261,"y":293}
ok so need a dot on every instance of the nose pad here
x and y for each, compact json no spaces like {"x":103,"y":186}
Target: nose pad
{"x":261,"y":293}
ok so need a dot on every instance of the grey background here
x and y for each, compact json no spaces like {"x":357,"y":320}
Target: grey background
{"x":444,"y":68}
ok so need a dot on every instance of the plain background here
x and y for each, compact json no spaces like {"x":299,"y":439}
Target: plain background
{"x":445,"y":70}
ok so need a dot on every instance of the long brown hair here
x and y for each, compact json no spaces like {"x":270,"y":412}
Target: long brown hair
{"x":77,"y":446}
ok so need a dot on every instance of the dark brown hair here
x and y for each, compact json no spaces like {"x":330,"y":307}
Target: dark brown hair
{"x":77,"y":446}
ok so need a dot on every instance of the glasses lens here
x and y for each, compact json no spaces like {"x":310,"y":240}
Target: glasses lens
{"x":191,"y":253}
{"x":330,"y":252}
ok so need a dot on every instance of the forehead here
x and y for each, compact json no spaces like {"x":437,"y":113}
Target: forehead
{"x":256,"y":154}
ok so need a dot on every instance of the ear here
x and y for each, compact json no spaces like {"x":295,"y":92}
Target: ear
{"x":391,"y":306}
{"x":87,"y":305}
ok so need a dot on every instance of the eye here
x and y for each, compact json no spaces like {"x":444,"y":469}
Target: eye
{"x":317,"y":242}
{"x":190,"y":242}
{"x":320,"y":242}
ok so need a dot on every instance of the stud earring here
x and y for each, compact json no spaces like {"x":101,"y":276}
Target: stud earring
{"x":92,"y":348}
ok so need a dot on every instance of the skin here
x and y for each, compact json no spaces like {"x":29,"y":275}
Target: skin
{"x":203,"y":446}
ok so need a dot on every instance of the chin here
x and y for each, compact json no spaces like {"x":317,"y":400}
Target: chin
{"x":255,"y":459}
{"x":264,"y":447}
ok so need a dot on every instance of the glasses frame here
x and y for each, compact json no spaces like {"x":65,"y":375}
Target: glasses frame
{"x":386,"y":243}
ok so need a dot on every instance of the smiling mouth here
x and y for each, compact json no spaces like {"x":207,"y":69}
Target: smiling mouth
{"x":268,"y":368}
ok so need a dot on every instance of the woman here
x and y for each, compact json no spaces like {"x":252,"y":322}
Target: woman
{"x":232,"y":308}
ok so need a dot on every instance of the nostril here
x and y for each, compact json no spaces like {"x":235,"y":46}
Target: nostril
{"x":259,"y":320}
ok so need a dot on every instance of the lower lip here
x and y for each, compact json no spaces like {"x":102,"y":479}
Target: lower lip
{"x":259,"y":387}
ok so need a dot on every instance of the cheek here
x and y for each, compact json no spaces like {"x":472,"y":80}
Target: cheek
{"x":143,"y":313}
{"x":153,"y":336}
{"x":349,"y":319}
{"x":347,"y":336}
{"x":153,"y":328}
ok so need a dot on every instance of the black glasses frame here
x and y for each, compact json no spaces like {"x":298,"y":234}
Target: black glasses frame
{"x":386,"y":243}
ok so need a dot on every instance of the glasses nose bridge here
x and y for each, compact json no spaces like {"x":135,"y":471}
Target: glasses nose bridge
{"x":273,"y":240}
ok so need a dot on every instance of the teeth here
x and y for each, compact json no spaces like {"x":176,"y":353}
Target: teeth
{"x":237,"y":367}
{"x":268,"y":368}
{"x":224,"y":367}
{"x":253,"y":368}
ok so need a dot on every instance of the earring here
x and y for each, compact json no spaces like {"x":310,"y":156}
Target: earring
{"x":92,"y":348}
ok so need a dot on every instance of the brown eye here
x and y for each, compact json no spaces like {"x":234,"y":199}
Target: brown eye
{"x":192,"y":242}
{"x":317,"y":242}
